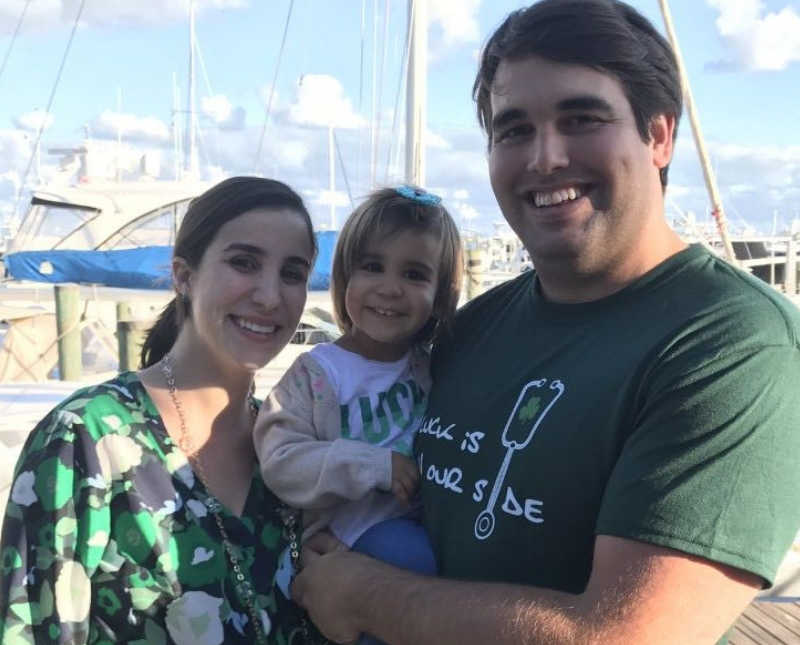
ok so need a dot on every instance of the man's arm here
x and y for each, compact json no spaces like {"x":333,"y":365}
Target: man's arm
{"x":637,"y":593}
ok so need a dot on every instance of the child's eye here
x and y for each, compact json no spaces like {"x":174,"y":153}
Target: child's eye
{"x":416,"y":275}
{"x":371,"y":267}
{"x":244,"y":263}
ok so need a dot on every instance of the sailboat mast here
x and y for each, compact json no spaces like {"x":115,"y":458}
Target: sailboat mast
{"x":176,"y":129}
{"x":694,"y":119}
{"x":191,"y":135}
{"x":332,"y":175}
{"x":416,"y":92}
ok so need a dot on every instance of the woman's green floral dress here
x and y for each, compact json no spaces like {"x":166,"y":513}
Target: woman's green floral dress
{"x":107,"y":538}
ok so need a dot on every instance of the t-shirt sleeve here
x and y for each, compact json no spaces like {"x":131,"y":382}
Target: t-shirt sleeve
{"x":54,"y":533}
{"x":710,"y":468}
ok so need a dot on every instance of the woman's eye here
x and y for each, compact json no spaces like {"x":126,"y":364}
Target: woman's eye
{"x":372,"y":267}
{"x":243,"y":263}
{"x":294,"y":276}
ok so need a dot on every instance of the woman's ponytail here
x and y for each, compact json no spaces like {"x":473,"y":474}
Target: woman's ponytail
{"x":161,"y":336}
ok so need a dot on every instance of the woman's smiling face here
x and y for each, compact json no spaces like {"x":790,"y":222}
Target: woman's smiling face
{"x":248,"y":293}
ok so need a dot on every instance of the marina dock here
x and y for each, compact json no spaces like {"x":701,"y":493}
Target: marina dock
{"x":768,"y":623}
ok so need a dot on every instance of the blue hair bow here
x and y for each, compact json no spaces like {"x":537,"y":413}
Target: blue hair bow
{"x":418,"y":195}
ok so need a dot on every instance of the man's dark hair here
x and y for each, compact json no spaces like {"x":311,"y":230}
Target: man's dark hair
{"x":606,"y":35}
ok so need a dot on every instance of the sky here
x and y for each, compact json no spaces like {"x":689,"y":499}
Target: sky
{"x":342,"y":65}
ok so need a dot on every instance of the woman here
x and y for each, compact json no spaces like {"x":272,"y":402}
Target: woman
{"x":137,"y":513}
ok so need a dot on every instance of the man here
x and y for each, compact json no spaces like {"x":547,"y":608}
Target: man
{"x":609,"y":454}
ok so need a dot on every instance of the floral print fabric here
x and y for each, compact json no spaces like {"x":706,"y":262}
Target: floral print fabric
{"x":107,"y":537}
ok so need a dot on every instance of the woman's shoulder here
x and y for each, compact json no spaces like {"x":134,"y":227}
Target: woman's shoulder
{"x":96,"y":410}
{"x":121,"y":394}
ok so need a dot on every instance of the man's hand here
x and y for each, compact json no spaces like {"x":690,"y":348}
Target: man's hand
{"x":405,"y":477}
{"x":327,"y":588}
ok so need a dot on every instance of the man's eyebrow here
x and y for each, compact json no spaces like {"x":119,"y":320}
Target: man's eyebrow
{"x":586,"y":102}
{"x":506,"y":116}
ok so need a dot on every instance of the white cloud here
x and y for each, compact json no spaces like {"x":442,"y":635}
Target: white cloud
{"x":47,"y":14}
{"x":42,"y":14}
{"x":676,"y":191}
{"x":321,"y":101}
{"x":433,"y":140}
{"x":15,"y":150}
{"x":754,"y":181}
{"x":458,"y":20}
{"x":327,"y":197}
{"x":32,"y":121}
{"x":235,"y":150}
{"x":461,"y":193}
{"x":222,"y":113}
{"x":466,"y":212}
{"x":761,"y":42}
{"x":131,"y":126}
{"x":264,"y":93}
{"x":291,"y":153}
{"x":459,"y":165}
{"x":217,"y":108}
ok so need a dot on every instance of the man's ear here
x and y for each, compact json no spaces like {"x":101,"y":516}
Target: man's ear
{"x":662,"y":130}
{"x":181,"y":276}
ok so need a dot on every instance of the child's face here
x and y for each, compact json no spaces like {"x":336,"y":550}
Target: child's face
{"x":391,"y":293}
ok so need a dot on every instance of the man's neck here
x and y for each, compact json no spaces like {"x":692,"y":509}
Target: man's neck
{"x":565,"y":281}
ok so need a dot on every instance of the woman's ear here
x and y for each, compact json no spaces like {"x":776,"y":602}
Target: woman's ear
{"x":181,"y":276}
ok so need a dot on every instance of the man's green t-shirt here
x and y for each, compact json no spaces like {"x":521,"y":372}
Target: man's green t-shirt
{"x":668,"y":412}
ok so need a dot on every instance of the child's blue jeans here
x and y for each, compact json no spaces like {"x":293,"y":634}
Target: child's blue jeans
{"x":401,"y":542}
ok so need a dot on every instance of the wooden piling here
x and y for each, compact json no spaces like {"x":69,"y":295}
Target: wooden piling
{"x":130,"y":336}
{"x":476,"y":260}
{"x":68,"y":320}
{"x":790,"y":277}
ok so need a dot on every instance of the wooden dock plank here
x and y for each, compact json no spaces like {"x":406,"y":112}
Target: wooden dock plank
{"x":738,"y":637}
{"x":768,"y":623}
{"x":756,"y":631}
{"x":776,"y":622}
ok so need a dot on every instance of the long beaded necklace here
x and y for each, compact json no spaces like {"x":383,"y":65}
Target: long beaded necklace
{"x":244,"y":588}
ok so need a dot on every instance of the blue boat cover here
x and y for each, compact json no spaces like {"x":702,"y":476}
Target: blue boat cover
{"x":146,"y":267}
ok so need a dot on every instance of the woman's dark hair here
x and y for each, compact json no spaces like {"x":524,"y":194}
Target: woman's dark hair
{"x":607,"y":35}
{"x":205,"y":216}
{"x":386,"y":212}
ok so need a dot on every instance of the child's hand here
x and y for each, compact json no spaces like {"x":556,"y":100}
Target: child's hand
{"x":405,"y":477}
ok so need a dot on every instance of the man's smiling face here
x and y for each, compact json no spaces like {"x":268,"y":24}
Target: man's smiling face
{"x":568,"y":166}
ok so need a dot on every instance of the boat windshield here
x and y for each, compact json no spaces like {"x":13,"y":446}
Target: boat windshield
{"x":155,"y":228}
{"x":54,"y":226}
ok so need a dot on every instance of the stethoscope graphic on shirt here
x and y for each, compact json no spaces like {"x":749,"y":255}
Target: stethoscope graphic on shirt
{"x":520,"y":428}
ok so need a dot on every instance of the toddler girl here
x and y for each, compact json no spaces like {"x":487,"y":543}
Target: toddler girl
{"x":334,"y":437}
